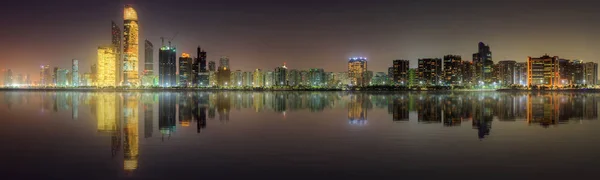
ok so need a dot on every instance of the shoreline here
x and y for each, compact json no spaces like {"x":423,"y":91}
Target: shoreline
{"x":284,"y":90}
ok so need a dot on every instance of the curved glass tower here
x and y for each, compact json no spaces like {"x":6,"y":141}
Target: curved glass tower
{"x":130,"y":47}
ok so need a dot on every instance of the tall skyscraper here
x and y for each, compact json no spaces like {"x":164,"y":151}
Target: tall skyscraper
{"x":75,"y":73}
{"x":45,"y":77}
{"x":200,"y":72}
{"x":148,"y":58}
{"x":357,"y":68}
{"x":543,"y":72}
{"x":106,"y":69}
{"x":117,"y":42}
{"x":506,"y":72}
{"x":224,"y":62}
{"x":185,"y":70}
{"x":167,"y":56}
{"x":258,"y":78}
{"x":430,"y":71}
{"x":400,"y":72}
{"x":591,"y":73}
{"x":483,"y":64}
{"x":521,"y":73}
{"x":452,"y":69}
{"x":281,"y":76}
{"x":212,"y":66}
{"x":130,"y":47}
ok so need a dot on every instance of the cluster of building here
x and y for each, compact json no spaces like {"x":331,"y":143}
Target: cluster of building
{"x":117,"y":65}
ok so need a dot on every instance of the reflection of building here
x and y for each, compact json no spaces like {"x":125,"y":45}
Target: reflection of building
{"x":130,"y":47}
{"x":542,"y":109}
{"x":543,"y":71}
{"x":400,"y":109}
{"x":428,"y":110}
{"x":357,"y":109}
{"x":130,"y":131}
{"x":166,"y":113}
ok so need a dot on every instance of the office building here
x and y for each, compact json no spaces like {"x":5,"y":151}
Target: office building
{"x":185,"y":70}
{"x":543,"y":72}
{"x":482,"y":60}
{"x":167,"y":68}
{"x":75,"y":73}
{"x":258,"y":78}
{"x":117,"y":42}
{"x":45,"y":77}
{"x":591,"y":73}
{"x":280,"y":76}
{"x":106,"y":68}
{"x":521,"y":73}
{"x":201,"y":73}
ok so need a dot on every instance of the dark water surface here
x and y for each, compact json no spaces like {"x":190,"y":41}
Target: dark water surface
{"x":299,"y":135}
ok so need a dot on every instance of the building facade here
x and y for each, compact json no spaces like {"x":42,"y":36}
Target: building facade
{"x":130,"y":47}
{"x":167,"y":68}
{"x":106,"y":68}
{"x":430,"y":71}
{"x":452,"y":69}
{"x":591,"y":73}
{"x":357,"y":68}
{"x":185,"y":70}
{"x":543,"y":72}
{"x":482,"y":60}
{"x":506,"y":72}
{"x":400,"y":71}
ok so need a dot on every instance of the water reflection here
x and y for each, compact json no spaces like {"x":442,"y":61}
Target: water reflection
{"x":120,"y":115}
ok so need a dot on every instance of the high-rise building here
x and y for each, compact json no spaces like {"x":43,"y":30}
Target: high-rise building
{"x":280,"y":75}
{"x":430,"y":71}
{"x":413,"y":77}
{"x":506,"y":72}
{"x":224,"y":62}
{"x":400,"y":71}
{"x":482,"y":60}
{"x":106,"y":70}
{"x":292,"y":77}
{"x":268,"y":79}
{"x":212,"y":66}
{"x":61,"y":77}
{"x":94,"y":72}
{"x":185,"y":70}
{"x":200,"y":74}
{"x":130,"y":47}
{"x":577,"y":69}
{"x":247,"y":79}
{"x":452,"y":69}
{"x":167,"y":67}
{"x":543,"y":72}
{"x":148,"y":58}
{"x":258,"y":78}
{"x":54,"y":75}
{"x":591,"y":73}
{"x":45,"y":77}
{"x":357,"y":67}
{"x":117,"y":42}
{"x":238,"y":78}
{"x":316,"y":77}
{"x":75,"y":73}
{"x":468,"y":72}
{"x":521,"y":73}
{"x":8,"y":78}
{"x":381,"y":78}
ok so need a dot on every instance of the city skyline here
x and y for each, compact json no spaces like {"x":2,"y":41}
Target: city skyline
{"x":279,"y":43}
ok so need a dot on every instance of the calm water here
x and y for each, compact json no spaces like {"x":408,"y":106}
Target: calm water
{"x":298,"y":135}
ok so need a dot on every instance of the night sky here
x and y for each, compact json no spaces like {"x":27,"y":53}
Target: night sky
{"x":303,"y":33}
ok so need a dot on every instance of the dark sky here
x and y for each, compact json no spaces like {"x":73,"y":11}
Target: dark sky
{"x":303,"y":33}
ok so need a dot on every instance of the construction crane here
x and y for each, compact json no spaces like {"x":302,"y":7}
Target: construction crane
{"x":162,"y":39}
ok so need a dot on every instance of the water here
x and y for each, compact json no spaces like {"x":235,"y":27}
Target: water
{"x":298,"y":135}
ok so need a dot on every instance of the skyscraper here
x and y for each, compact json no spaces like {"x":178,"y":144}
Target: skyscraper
{"x":212,"y":66}
{"x":167,"y":56}
{"x":185,"y":70}
{"x":224,"y":73}
{"x":75,"y":73}
{"x":148,"y":58}
{"x":281,"y":76}
{"x":400,"y":71}
{"x":452,"y":69}
{"x":117,"y":41}
{"x":483,"y":64}
{"x":258,"y":78}
{"x":357,"y":67}
{"x":106,"y":70}
{"x":224,"y":62}
{"x":430,"y":71}
{"x":45,"y":77}
{"x":200,"y":74}
{"x":130,"y":47}
{"x":591,"y":73}
{"x":506,"y":72}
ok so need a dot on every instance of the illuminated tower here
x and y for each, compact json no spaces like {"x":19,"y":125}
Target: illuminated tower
{"x":357,"y":69}
{"x":130,"y":47}
{"x":117,"y":40}
{"x":106,"y":67}
{"x":75,"y":72}
{"x":185,"y":70}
